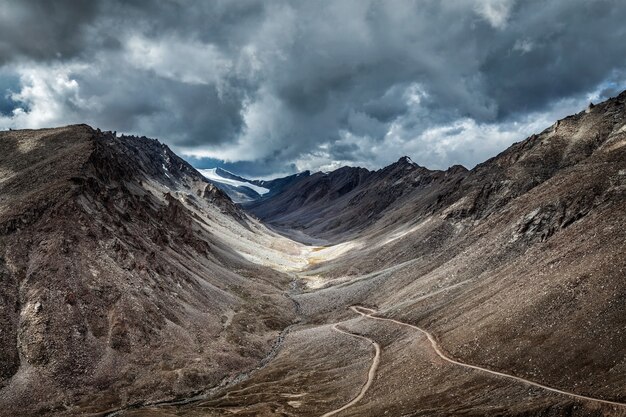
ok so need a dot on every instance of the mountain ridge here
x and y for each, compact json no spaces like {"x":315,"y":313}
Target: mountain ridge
{"x":243,"y":190}
{"x":122,"y":267}
{"x":290,"y":218}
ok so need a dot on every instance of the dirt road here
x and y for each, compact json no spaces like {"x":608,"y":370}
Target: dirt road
{"x":369,"y":313}
{"x":370,"y":375}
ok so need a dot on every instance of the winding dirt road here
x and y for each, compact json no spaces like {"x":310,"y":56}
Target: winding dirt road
{"x":368,"y":312}
{"x":370,"y":375}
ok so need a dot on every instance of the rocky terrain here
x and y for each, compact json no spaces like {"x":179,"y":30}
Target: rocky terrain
{"x":516,"y":267}
{"x":132,"y":286}
{"x":126,"y":277}
{"x":339,"y":205}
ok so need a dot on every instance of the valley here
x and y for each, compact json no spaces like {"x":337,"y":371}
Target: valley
{"x":288,"y":394}
{"x":133,"y":286}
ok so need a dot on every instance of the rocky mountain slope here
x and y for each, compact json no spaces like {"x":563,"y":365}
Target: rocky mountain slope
{"x":125,"y":276}
{"x":340,"y":204}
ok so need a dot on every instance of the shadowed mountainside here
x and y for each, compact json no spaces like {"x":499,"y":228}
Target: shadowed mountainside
{"x":338,"y":205}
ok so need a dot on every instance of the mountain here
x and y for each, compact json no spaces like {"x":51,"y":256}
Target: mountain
{"x":276,"y":185}
{"x":242,"y":190}
{"x":514,"y":270}
{"x":237,"y":188}
{"x":125,"y":276}
{"x":334,"y":206}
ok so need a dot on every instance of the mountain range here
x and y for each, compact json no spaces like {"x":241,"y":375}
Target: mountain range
{"x":132,"y":284}
{"x":243,"y":190}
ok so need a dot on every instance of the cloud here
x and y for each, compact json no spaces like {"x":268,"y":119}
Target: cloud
{"x":496,"y":12}
{"x":48,"y":96}
{"x":188,"y":61}
{"x":268,"y":87}
{"x":46,"y":30}
{"x":523,"y":46}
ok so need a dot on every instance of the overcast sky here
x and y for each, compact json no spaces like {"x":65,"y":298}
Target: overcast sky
{"x":272,"y":87}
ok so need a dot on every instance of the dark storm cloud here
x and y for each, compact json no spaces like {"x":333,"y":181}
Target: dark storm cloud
{"x":272,"y":87}
{"x":145,"y":103}
{"x":573,"y":45}
{"x":44,"y":29}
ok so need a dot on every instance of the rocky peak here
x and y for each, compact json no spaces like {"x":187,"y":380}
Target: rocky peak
{"x":401,"y":168}
{"x":405,"y":160}
{"x":456,"y":169}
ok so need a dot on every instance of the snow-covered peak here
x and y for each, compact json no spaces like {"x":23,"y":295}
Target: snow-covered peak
{"x":213,"y":175}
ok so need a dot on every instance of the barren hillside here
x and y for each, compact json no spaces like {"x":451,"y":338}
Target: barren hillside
{"x":125,"y":275}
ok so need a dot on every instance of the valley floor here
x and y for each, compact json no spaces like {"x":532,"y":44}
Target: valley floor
{"x":359,"y":362}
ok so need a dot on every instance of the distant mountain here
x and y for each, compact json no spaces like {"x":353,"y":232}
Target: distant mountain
{"x":237,"y":188}
{"x":243,"y":190}
{"x":276,"y":185}
{"x":343,"y":202}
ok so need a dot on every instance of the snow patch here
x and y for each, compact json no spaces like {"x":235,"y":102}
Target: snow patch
{"x":410,"y":161}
